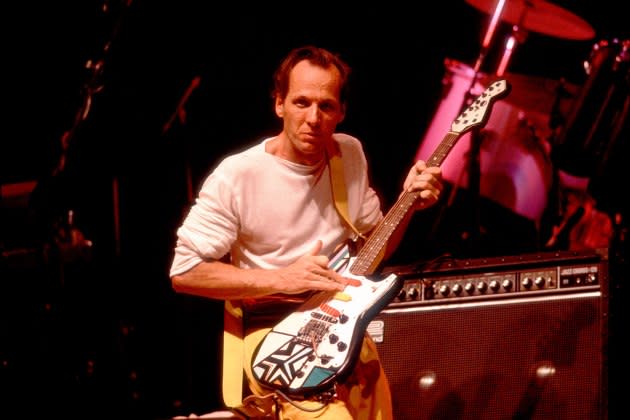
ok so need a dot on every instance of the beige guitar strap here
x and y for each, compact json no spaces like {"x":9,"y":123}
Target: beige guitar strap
{"x":233,"y":334}
{"x":233,"y":354}
{"x":335,"y":165}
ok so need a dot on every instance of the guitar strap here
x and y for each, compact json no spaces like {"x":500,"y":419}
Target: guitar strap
{"x":233,"y":334}
{"x":233,"y":353}
{"x":335,"y":165}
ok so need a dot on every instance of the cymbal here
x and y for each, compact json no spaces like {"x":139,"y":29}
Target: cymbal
{"x":539,"y":16}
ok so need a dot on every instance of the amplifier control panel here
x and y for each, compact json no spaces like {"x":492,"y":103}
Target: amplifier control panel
{"x":501,"y":281}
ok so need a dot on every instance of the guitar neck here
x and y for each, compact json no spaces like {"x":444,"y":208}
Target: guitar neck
{"x":443,"y":149}
{"x":373,"y":251}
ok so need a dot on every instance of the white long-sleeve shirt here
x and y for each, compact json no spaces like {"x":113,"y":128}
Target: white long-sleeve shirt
{"x":267,"y":212}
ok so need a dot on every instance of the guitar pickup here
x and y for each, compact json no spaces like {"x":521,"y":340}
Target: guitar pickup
{"x":344,"y":297}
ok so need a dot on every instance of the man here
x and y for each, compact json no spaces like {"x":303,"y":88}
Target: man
{"x":271,"y":209}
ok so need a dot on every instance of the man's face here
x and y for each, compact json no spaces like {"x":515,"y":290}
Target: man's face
{"x":311,"y":110}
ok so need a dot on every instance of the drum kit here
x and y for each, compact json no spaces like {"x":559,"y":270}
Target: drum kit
{"x":525,"y":149}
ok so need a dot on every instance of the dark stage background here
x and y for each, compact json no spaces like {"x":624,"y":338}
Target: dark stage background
{"x":149,"y":96}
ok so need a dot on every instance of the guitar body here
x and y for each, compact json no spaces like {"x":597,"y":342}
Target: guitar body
{"x":315,"y":346}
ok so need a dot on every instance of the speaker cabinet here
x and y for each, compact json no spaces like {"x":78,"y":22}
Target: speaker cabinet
{"x":523,"y":356}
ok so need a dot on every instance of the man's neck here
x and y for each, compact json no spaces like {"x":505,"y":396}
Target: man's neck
{"x":282,"y":147}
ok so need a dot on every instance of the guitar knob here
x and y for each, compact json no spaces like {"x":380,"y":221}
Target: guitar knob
{"x":333,"y":338}
{"x":343,"y":319}
{"x":341,"y":346}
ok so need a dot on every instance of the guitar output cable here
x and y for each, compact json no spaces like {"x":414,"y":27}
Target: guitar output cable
{"x":325,"y":398}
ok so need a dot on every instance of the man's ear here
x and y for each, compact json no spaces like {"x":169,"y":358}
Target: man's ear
{"x":343,"y":113}
{"x":279,"y":106}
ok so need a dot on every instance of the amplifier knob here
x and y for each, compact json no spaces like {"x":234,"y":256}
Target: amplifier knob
{"x":494,"y":285}
{"x":527,"y":282}
{"x":540,"y":282}
{"x":591,"y":278}
{"x":482,"y":286}
{"x":402,"y":295}
{"x":444,"y":290}
{"x":414,"y":293}
{"x":507,"y":284}
{"x":470,"y":288}
{"x":457,"y":289}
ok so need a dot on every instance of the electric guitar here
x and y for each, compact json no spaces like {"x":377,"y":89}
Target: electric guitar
{"x":317,"y":345}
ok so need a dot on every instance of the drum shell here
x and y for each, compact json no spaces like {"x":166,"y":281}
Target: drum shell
{"x":514,"y":162}
{"x":585,"y":142}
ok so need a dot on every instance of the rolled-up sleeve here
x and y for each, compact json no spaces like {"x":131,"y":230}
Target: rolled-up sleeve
{"x":209,"y":230}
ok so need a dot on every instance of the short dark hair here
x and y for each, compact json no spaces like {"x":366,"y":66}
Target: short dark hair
{"x":316,"y":56}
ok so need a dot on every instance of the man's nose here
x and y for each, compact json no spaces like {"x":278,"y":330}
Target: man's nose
{"x":313,"y":114}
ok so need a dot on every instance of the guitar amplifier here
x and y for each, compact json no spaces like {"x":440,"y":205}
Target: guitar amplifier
{"x":518,"y":337}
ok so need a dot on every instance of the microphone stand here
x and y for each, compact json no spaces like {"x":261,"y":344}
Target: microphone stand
{"x":91,"y":87}
{"x":180,"y":115}
{"x":474,"y":167}
{"x":476,"y":136}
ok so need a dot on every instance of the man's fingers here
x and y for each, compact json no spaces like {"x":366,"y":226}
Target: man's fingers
{"x":317,"y":247}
